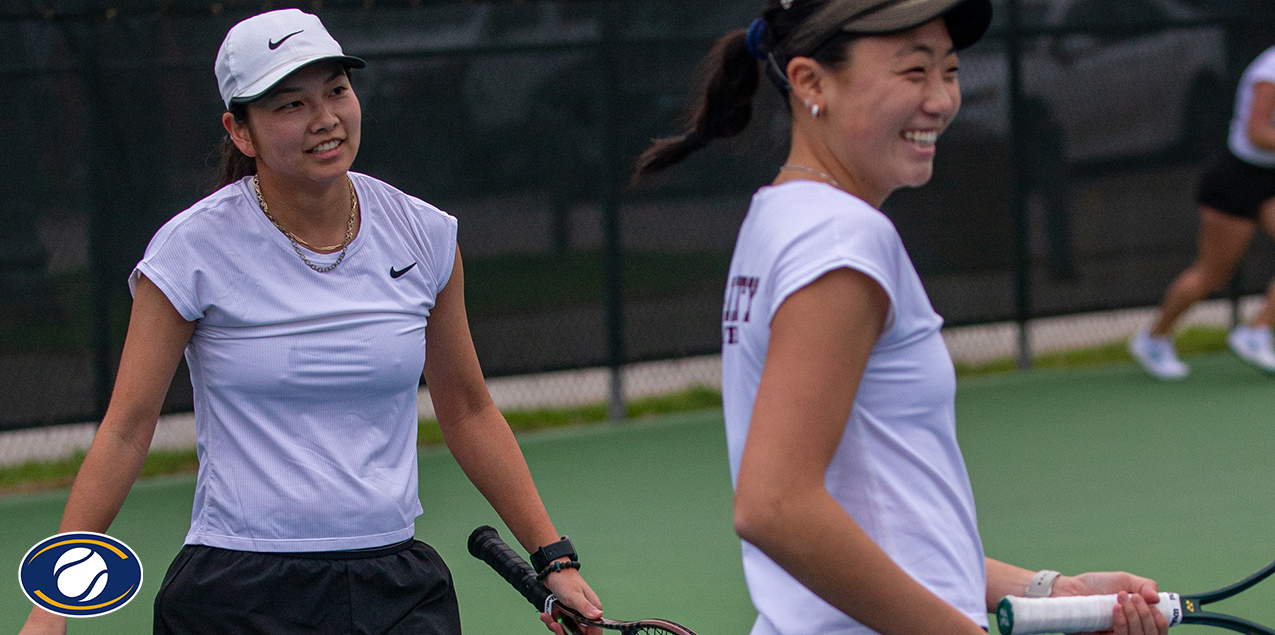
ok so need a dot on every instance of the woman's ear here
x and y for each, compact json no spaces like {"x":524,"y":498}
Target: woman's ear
{"x":240,"y":135}
{"x":806,"y":77}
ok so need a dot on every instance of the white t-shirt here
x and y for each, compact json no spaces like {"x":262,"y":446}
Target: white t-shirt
{"x":1260,"y":70}
{"x":304,"y":383}
{"x":898,"y":470}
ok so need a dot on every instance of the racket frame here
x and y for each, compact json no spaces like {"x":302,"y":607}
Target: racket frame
{"x":1192,"y":612}
{"x":486,"y":545}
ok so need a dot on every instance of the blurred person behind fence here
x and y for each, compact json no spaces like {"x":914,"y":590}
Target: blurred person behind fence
{"x":1236,"y":195}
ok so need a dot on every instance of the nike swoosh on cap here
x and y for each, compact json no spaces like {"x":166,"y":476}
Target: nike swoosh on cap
{"x":274,"y":45}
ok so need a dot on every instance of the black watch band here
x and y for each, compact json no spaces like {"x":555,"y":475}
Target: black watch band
{"x":550,"y":552}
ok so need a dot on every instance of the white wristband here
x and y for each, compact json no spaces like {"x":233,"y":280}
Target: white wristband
{"x":1042,"y":584}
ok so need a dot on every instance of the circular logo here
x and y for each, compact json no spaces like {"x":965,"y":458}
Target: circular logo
{"x":80,"y":574}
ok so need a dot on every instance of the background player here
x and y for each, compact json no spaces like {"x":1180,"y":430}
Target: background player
{"x":1236,"y":194}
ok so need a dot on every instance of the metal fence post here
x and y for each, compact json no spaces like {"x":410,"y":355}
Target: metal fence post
{"x":98,"y":227}
{"x":613,"y":247}
{"x":1018,"y":205}
{"x":1235,"y":293}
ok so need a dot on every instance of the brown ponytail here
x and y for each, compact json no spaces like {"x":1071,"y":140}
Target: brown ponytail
{"x":733,"y":75}
{"x":723,"y":111}
{"x":234,"y":164}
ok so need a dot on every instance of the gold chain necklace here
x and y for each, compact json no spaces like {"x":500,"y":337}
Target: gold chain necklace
{"x":297,"y":242}
{"x":802,"y":168}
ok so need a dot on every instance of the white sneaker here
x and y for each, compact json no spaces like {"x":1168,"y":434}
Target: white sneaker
{"x":1253,"y":345}
{"x":1157,"y":356}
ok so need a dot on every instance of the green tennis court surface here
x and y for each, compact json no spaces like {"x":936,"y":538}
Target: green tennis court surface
{"x":1072,"y":470}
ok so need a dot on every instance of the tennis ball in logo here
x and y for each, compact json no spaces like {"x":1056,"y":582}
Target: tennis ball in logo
{"x":80,"y":573}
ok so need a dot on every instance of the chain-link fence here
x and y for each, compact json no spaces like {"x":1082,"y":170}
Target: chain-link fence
{"x":1068,"y":182}
{"x":1067,"y":185}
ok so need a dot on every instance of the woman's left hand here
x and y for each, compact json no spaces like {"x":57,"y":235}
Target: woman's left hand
{"x":572,"y":591}
{"x":1135,"y":614}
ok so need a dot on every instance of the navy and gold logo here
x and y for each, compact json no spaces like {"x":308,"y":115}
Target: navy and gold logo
{"x":80,"y":574}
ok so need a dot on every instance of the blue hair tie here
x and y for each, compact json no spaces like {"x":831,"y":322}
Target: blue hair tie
{"x":754,"y":38}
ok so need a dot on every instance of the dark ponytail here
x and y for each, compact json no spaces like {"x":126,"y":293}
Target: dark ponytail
{"x":732,"y":73}
{"x":234,"y":164}
{"x":723,"y":111}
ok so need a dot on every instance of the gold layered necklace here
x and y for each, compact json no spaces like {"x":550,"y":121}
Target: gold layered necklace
{"x":297,"y":242}
{"x":802,"y":168}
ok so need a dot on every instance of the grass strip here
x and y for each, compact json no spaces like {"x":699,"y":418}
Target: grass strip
{"x":694,"y":398}
{"x":43,"y":475}
{"x":58,"y":473}
{"x":37,"y":475}
{"x":1191,"y":341}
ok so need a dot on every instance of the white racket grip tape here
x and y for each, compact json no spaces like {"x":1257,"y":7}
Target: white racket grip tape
{"x":1074,"y":614}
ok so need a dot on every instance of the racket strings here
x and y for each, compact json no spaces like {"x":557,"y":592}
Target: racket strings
{"x":658,"y":627}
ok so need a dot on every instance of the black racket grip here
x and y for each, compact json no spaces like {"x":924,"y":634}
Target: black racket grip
{"x":486,"y":545}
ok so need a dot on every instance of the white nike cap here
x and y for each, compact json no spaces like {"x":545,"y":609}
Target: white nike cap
{"x":265,"y":48}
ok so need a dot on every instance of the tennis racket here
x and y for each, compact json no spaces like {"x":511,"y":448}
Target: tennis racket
{"x":486,"y":545}
{"x":1083,"y":613}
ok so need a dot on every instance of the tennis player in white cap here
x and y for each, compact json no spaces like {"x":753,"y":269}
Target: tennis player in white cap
{"x":307,"y":299}
{"x":852,"y":496}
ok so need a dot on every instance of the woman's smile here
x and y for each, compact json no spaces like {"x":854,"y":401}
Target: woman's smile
{"x":326,"y":146}
{"x":922,"y":138}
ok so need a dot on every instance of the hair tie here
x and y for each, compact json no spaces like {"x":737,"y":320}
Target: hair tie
{"x":755,"y":31}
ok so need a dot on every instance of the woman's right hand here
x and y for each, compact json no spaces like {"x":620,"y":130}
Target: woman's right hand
{"x":42,"y":622}
{"x":1135,"y":612}
{"x":1133,"y":616}
{"x":573,"y":591}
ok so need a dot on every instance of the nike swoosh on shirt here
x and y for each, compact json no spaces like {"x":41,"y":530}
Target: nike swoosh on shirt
{"x":274,"y":45}
{"x":394,"y":273}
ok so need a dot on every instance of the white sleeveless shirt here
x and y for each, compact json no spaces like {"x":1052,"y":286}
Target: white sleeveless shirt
{"x":898,"y":470}
{"x":304,"y":383}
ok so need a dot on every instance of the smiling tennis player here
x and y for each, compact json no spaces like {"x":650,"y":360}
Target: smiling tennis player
{"x":852,"y":496}
{"x":307,"y":300}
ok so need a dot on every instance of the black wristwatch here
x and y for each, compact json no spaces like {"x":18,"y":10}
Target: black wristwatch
{"x":550,"y":552}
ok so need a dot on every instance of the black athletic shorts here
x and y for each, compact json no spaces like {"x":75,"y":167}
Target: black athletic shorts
{"x":394,"y":590}
{"x":1236,"y":187}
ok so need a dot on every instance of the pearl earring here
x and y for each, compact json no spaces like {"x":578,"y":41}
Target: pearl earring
{"x":814,"y":111}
